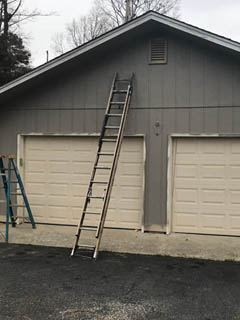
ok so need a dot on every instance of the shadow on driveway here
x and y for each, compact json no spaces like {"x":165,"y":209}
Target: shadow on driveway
{"x":44,"y":283}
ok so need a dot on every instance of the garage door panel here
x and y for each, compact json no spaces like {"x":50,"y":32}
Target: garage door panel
{"x":57,"y":189}
{"x":81,"y":167}
{"x":33,"y":177}
{"x":57,"y":214}
{"x":212,"y":147}
{"x":185,"y":220}
{"x":131,"y":192}
{"x":37,"y":166}
{"x":213,"y":221}
{"x":134,"y":168}
{"x":39,"y":212}
{"x":235,"y":197}
{"x":36,"y":189}
{"x":234,"y":223}
{"x":206,"y":186}
{"x":58,"y":166}
{"x":212,"y":171}
{"x":235,"y":147}
{"x":77,"y":178}
{"x":186,"y":171}
{"x":37,"y":200}
{"x":186,"y":195}
{"x":234,"y":171}
{"x":189,"y":147}
{"x":58,"y":169}
{"x":57,"y":178}
{"x":56,"y":155}
{"x":129,"y":181}
{"x":209,"y":196}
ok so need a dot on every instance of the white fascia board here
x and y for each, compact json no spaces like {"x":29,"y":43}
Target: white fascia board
{"x":195,"y":31}
{"x":170,"y":22}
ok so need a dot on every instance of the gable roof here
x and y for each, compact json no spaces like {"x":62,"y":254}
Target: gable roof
{"x":146,"y":17}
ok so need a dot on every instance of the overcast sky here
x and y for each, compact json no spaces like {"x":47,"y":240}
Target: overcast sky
{"x":219,"y":16}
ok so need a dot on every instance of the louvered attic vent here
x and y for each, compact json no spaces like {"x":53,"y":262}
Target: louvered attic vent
{"x":158,"y":51}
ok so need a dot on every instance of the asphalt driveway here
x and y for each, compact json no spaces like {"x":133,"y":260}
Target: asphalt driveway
{"x":44,"y":283}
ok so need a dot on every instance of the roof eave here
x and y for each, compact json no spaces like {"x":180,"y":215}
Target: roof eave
{"x":74,"y":53}
{"x":170,"y":22}
{"x":197,"y":32}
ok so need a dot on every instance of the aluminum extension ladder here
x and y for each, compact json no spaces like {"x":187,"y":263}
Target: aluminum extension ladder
{"x":10,"y":175}
{"x":114,"y":121}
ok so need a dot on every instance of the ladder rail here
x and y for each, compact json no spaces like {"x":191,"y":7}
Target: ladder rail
{"x":8,"y":201}
{"x":22,"y":190}
{"x":5,"y":187}
{"x":107,"y":109}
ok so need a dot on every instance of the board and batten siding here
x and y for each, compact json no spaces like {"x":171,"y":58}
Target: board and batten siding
{"x":197,"y":91}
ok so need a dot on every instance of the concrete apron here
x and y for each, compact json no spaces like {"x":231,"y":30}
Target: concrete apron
{"x":129,"y":241}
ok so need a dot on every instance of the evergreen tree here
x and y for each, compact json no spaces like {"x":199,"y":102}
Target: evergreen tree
{"x":14,"y":58}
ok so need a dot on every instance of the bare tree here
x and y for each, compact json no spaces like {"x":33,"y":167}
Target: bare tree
{"x":120,"y":11}
{"x":59,"y":45}
{"x":13,"y":13}
{"x":82,"y":30}
{"x":104,"y":16}
{"x":87,"y":28}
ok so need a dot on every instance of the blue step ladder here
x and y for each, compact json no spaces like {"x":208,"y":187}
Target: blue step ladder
{"x":11,"y":176}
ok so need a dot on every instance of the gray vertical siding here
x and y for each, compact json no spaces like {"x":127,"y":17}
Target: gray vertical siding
{"x":196,"y":92}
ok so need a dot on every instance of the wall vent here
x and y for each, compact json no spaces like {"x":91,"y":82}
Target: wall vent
{"x":158,"y":51}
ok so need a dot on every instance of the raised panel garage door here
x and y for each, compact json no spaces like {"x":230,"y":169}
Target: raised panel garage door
{"x":57,"y":172}
{"x":206,"y":185}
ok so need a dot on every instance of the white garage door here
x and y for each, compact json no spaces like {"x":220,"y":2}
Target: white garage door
{"x":57,"y":172}
{"x":206,"y":186}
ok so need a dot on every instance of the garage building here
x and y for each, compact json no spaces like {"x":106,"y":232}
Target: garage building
{"x":179,"y":169}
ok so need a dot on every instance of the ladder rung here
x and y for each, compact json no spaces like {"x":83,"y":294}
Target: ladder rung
{"x":120,"y":91}
{"x":18,"y":205}
{"x":2,"y":201}
{"x":8,"y":169}
{"x":86,"y":246}
{"x":16,"y":194}
{"x":92,"y":212}
{"x":105,"y":154}
{"x":118,"y":102}
{"x":123,"y":80}
{"x":2,"y":174}
{"x":99,"y":182}
{"x":103,"y":168}
{"x":21,"y":217}
{"x":95,"y":197}
{"x":88,"y":228}
{"x":114,"y":115}
{"x":112,"y":127}
{"x":109,"y":140}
